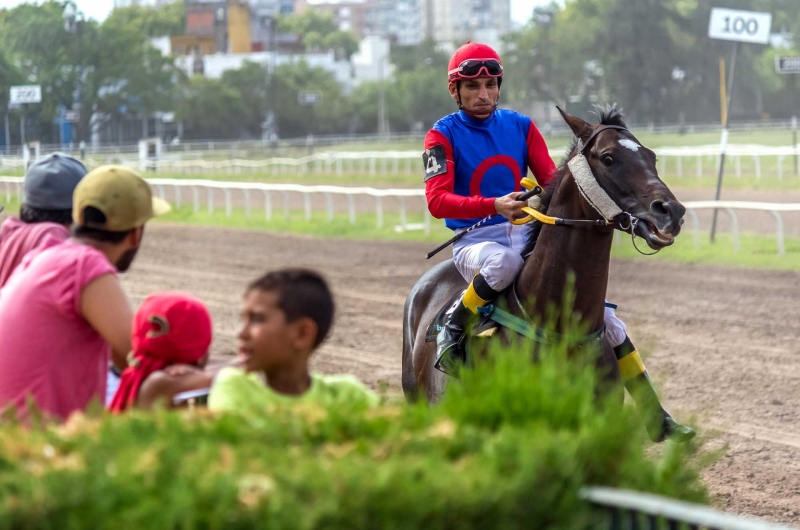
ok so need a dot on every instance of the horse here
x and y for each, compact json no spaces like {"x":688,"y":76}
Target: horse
{"x":642,"y":206}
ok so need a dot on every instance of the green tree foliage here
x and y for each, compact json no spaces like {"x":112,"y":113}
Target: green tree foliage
{"x":165,"y":20}
{"x":653,"y":57}
{"x":251,"y":82}
{"x":318,"y":31}
{"x":327,"y":117}
{"x":210,"y":108}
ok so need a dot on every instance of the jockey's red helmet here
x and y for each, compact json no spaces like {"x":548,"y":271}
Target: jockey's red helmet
{"x":472,"y":60}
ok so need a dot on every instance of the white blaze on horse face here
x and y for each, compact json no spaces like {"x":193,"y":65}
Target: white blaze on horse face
{"x":629,"y":144}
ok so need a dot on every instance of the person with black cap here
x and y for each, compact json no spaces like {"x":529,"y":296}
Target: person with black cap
{"x":64,"y":313}
{"x":45,"y":215}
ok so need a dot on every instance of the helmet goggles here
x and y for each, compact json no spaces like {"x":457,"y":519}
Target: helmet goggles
{"x":472,"y":68}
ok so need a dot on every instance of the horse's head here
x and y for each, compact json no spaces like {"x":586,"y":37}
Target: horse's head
{"x":626,"y":171}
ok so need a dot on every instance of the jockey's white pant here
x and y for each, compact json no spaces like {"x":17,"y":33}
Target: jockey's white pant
{"x":494,"y":253}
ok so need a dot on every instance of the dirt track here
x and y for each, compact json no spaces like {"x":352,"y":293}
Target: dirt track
{"x":722,"y":342}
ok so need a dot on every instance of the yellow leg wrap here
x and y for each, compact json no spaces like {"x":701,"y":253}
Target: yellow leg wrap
{"x":472,"y":301}
{"x":631,"y":365}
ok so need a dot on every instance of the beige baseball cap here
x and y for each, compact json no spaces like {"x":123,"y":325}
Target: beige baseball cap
{"x":121,"y":194}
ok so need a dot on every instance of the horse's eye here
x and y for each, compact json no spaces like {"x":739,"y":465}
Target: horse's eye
{"x":608,"y":160}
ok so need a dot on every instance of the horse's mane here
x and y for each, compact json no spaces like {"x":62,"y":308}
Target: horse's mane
{"x":608,"y":115}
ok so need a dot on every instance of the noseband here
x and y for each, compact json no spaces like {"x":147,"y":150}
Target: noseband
{"x":594,"y":194}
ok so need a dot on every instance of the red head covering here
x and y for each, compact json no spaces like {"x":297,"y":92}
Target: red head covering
{"x":471,"y":50}
{"x":169,"y":328}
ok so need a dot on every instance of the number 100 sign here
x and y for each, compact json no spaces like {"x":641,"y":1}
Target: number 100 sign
{"x":741,"y":26}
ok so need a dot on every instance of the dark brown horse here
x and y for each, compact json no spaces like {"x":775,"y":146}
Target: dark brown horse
{"x":626,"y":171}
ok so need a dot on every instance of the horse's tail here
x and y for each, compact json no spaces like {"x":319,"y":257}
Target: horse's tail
{"x":410,"y":324}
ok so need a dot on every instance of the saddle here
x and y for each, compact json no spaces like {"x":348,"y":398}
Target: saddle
{"x":492,"y":318}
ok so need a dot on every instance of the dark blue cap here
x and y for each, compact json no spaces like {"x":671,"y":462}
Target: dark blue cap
{"x":51,"y":181}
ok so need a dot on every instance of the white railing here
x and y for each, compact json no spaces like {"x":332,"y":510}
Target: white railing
{"x":678,"y":160}
{"x":13,"y":188}
{"x":631,"y":509}
{"x":246,"y":190}
{"x":729,"y":208}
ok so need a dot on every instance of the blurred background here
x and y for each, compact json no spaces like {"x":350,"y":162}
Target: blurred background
{"x":113,"y":72}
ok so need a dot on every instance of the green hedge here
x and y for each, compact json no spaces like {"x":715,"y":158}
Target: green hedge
{"x":508,"y":447}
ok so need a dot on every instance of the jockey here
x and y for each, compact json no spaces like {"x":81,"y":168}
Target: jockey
{"x":474,"y":161}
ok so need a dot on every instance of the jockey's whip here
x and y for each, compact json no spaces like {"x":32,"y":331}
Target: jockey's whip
{"x":536,"y":190}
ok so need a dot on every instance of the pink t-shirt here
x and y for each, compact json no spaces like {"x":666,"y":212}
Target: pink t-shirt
{"x":47,"y":350}
{"x":18,"y":238}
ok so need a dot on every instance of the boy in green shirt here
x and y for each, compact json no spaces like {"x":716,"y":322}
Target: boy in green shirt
{"x":286,"y":314}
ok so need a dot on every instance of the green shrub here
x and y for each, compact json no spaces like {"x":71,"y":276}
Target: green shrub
{"x":508,"y":447}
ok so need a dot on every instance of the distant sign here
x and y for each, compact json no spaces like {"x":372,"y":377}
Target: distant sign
{"x":787,"y":65}
{"x":168,"y":117}
{"x":25,"y":94}
{"x":741,"y":26}
{"x":309,"y":98}
{"x":72,"y":116}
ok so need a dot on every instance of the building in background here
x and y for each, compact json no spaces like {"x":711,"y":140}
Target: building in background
{"x":400,"y":21}
{"x":349,"y":15}
{"x":230,"y":26}
{"x":449,"y":21}
{"x":128,"y":3}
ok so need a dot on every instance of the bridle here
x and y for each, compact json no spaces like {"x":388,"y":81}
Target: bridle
{"x":612,"y":215}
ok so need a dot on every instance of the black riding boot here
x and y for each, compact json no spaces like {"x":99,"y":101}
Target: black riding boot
{"x":450,"y":353}
{"x":660,"y":425}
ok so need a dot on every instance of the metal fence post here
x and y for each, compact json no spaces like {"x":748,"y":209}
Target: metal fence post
{"x":779,"y":230}
{"x":379,"y":210}
{"x":351,"y":209}
{"x":696,"y":227}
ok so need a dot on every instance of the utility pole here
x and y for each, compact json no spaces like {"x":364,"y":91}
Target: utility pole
{"x":383,"y":126}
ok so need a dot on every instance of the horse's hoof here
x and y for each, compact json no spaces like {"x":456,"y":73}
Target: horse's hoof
{"x":674,"y":431}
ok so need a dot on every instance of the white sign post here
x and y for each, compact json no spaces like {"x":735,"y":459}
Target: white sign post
{"x":736,"y":26}
{"x":739,"y":26}
{"x":22,"y":95}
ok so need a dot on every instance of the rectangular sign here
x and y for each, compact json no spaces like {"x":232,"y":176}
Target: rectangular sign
{"x":308,"y":98}
{"x":72,"y":116}
{"x":741,"y":26}
{"x":787,"y":65}
{"x":25,"y":94}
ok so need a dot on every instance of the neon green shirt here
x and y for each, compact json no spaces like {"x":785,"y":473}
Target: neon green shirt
{"x":236,"y":390}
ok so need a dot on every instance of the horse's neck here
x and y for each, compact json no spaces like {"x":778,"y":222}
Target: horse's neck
{"x":586,"y":252}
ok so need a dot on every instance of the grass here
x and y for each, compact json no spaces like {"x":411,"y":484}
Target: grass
{"x":756,"y":251}
{"x":366,"y":226}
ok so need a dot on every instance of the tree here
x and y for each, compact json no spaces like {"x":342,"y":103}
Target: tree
{"x":330,"y":116}
{"x":318,"y":31}
{"x":250,"y":81}
{"x":211,"y":109}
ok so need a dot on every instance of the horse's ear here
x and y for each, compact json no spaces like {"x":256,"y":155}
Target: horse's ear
{"x":580,"y":128}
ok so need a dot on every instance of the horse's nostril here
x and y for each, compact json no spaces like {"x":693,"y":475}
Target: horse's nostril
{"x":659,"y":208}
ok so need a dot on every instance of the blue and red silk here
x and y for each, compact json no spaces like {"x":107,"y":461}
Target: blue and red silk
{"x":485,"y":159}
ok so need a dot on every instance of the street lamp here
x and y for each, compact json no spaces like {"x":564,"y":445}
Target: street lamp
{"x":73,"y":23}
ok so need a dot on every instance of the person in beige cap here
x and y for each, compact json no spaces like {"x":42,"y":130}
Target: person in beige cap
{"x":63,"y":313}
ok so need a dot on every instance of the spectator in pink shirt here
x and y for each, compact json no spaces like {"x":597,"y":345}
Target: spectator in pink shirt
{"x":63,"y":312}
{"x":46,"y":212}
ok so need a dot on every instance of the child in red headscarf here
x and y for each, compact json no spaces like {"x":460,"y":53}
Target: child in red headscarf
{"x":170,"y":339}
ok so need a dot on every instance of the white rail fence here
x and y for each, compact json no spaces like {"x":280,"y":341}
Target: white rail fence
{"x":680,"y":161}
{"x":249,"y":191}
{"x":629,"y":509}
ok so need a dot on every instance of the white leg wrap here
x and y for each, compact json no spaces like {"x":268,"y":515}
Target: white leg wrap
{"x":615,"y":328}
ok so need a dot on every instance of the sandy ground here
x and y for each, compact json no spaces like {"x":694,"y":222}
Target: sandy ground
{"x":721,"y":342}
